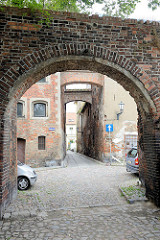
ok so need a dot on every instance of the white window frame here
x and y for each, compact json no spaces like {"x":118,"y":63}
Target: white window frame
{"x":24,"y":110}
{"x":45,"y":101}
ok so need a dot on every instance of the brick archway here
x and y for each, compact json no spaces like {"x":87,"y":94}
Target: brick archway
{"x":139,"y":79}
{"x":36,"y":66}
{"x":83,"y":96}
{"x":147,"y":109}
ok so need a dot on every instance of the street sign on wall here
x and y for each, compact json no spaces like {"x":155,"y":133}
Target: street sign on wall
{"x":109,"y":127}
{"x":51,"y":129}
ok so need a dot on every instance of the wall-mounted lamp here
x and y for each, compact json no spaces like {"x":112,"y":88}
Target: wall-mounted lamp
{"x":121,"y":106}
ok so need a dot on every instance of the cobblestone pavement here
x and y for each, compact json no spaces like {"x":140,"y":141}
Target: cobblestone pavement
{"x":81,"y":201}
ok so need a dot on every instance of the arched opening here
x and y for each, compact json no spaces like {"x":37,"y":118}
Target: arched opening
{"x":145,"y":105}
{"x":89,"y":100}
{"x":71,"y":126}
{"x":93,"y":139}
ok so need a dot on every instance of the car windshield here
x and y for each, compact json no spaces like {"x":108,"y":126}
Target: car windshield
{"x":132,"y":153}
{"x":20,"y":163}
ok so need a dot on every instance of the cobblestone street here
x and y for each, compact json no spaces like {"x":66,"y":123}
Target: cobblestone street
{"x":80,"y":201}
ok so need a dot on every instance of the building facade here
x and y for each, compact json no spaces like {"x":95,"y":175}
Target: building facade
{"x":45,"y":129}
{"x":93,"y":136}
{"x":39,"y":131}
{"x":120,"y":110}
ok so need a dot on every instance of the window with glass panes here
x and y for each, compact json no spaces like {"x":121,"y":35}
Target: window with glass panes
{"x":41,"y":142}
{"x":20,"y":109}
{"x":39,"y":110}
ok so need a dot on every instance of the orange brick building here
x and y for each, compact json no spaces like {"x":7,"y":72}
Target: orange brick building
{"x":39,"y":132}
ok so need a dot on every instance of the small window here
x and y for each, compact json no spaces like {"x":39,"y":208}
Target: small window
{"x":20,"y":109}
{"x":39,"y":110}
{"x":43,"y":80}
{"x":41,"y":143}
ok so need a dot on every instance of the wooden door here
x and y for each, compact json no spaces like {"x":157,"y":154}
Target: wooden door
{"x":21,"y":144}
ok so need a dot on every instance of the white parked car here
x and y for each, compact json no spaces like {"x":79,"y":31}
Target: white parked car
{"x":26,"y":176}
{"x":132,"y":163}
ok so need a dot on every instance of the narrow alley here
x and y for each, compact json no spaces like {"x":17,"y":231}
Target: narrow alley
{"x":79,"y":160}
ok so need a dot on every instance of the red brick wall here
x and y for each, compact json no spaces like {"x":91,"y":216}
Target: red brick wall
{"x":90,"y":136}
{"x":29,"y":129}
{"x":81,"y":77}
{"x":125,"y":50}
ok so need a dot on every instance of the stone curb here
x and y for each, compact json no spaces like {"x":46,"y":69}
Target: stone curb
{"x":48,"y":168}
{"x":133,"y":200}
{"x":24,"y":214}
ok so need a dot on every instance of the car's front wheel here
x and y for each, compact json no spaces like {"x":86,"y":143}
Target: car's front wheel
{"x":23,"y":183}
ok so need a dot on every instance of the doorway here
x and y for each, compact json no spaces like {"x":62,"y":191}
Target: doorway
{"x":21,"y":145}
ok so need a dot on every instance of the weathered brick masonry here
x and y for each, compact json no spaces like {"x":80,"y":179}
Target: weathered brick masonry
{"x":71,"y":96}
{"x":30,"y":128}
{"x":90,"y":141}
{"x":125,"y":50}
{"x":79,"y":77}
{"x":71,"y":77}
{"x":90,"y":131}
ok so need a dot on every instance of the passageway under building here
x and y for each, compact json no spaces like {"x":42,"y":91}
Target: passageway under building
{"x":135,"y":69}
